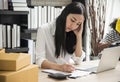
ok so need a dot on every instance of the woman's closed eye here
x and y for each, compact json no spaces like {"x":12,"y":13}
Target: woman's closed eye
{"x":78,"y":24}
{"x":72,"y":20}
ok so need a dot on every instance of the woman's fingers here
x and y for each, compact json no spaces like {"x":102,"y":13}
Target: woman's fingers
{"x":68,"y":68}
{"x":79,"y":30}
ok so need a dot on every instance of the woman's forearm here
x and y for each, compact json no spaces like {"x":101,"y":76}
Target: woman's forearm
{"x":78,"y":48}
{"x":50,"y":65}
{"x":64,"y":67}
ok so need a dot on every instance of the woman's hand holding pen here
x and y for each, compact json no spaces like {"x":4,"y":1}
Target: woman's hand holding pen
{"x":67,"y":68}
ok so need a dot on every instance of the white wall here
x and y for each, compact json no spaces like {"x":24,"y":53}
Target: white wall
{"x":1,"y":4}
{"x":112,"y":11}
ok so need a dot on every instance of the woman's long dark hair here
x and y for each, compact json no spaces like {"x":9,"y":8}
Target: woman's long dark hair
{"x":66,"y":41}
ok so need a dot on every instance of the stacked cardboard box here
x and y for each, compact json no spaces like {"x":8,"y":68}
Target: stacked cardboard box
{"x":15,"y":67}
{"x":2,"y":50}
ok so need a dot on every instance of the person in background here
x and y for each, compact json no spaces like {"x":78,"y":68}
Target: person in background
{"x":113,"y":36}
{"x":59,"y":42}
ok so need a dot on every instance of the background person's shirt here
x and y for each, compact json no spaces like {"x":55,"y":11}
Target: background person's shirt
{"x":111,"y":37}
{"x":45,"y":47}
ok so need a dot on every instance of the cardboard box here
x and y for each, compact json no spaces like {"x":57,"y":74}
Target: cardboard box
{"x":2,"y":50}
{"x":14,"y":61}
{"x":27,"y":74}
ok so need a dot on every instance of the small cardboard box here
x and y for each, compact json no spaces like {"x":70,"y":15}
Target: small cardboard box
{"x":2,"y":50}
{"x":27,"y":74}
{"x":14,"y":61}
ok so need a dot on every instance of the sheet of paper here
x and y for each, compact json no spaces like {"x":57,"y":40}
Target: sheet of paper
{"x":78,"y":73}
{"x":87,"y":65}
{"x":55,"y":71}
{"x":75,"y":74}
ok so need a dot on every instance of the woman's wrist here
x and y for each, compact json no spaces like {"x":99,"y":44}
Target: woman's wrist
{"x":79,"y":36}
{"x":57,"y":67}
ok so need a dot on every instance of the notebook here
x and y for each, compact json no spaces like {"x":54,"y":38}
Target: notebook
{"x":109,"y":59}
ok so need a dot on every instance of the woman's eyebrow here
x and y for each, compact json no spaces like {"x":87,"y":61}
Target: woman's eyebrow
{"x":74,"y":18}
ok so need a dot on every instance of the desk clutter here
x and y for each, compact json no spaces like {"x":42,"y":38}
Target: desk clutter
{"x":63,"y":75}
{"x":16,"y":67}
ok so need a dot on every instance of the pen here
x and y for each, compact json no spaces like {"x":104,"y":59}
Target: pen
{"x":81,"y":69}
{"x":63,"y":60}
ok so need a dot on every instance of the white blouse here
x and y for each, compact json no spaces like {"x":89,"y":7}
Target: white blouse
{"x":45,"y":47}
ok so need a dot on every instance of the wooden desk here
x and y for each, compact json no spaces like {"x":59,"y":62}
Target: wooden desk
{"x":107,"y":76}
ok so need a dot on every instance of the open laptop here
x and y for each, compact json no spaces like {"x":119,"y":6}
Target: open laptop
{"x":108,"y":61}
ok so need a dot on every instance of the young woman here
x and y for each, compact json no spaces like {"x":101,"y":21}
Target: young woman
{"x":59,"y":43}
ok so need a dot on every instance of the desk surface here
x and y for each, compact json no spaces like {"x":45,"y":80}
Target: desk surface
{"x":107,"y":76}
